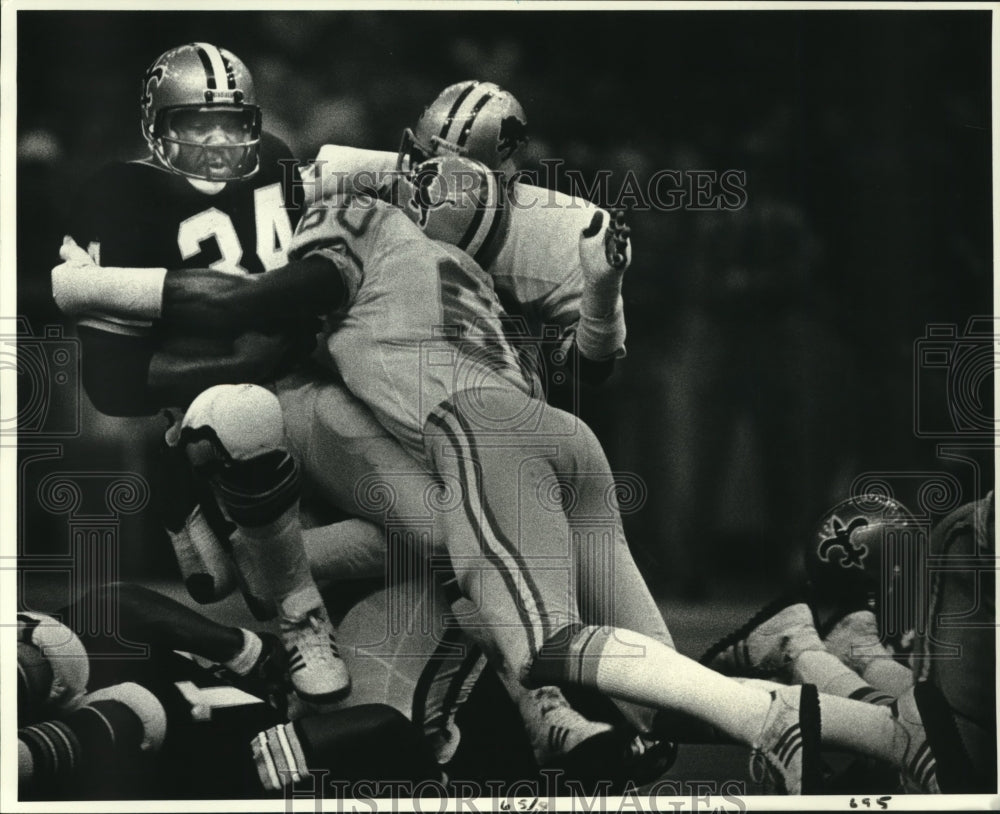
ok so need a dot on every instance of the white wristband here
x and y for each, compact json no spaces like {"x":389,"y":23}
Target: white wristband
{"x":602,"y":337}
{"x":126,"y":292}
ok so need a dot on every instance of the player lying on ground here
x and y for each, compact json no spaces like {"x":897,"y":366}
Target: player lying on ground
{"x":67,"y":736}
{"x":165,"y":702}
{"x":852,"y":581}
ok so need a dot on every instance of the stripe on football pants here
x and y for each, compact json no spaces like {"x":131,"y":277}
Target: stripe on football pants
{"x":496,"y":549}
{"x":498,"y":533}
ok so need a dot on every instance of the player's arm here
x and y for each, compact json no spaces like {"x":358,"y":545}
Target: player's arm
{"x":338,"y":169}
{"x":196,"y":298}
{"x":132,"y":375}
{"x":599,"y":333}
{"x":312,"y":284}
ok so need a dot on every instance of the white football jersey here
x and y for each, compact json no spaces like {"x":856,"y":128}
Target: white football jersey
{"x":422,"y":321}
{"x":537,"y":271}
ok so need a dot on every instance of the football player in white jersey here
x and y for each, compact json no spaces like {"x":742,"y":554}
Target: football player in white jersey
{"x":540,"y":267}
{"x":417,"y":335}
{"x":548,"y":255}
{"x":346,"y":432}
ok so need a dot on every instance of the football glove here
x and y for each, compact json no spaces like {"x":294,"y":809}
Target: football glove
{"x":604,"y":255}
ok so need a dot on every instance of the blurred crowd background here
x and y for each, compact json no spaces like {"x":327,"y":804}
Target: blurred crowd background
{"x":771,"y":349}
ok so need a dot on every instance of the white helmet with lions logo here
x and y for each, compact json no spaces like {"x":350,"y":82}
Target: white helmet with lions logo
{"x":200,"y":115}
{"x":475,"y":119}
{"x":457,"y":201}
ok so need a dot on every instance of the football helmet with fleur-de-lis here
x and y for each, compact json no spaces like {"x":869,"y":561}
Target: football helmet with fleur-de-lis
{"x":867,"y":552}
{"x":199,"y":113}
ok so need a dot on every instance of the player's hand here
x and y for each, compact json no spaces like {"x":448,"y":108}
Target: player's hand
{"x":72,"y":255}
{"x":604,"y":247}
{"x":616,"y":241}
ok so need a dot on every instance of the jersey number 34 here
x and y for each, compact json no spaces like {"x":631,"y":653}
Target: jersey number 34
{"x":273,"y":227}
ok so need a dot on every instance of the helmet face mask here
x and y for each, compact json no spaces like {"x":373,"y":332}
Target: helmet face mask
{"x":209,"y":143}
{"x":476,"y":120}
{"x":199,"y":114}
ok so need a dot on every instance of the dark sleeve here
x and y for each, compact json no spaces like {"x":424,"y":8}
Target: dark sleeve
{"x":310,"y":286}
{"x":116,"y":370}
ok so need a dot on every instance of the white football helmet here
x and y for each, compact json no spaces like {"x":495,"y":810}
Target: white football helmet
{"x":458,"y":201}
{"x":479,"y":120}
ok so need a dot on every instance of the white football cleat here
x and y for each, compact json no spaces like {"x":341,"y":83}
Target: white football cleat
{"x":767,"y":644}
{"x":317,"y":671}
{"x":786,"y":757}
{"x":556,"y":730}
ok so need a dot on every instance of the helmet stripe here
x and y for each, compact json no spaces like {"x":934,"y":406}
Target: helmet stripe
{"x":454,"y":110}
{"x":206,"y":63}
{"x":212,"y":60}
{"x":230,"y":76}
{"x":477,"y":219}
{"x":467,"y":127}
{"x":490,"y":248}
{"x":483,"y":230}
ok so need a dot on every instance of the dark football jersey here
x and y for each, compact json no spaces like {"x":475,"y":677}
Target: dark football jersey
{"x":138,"y":214}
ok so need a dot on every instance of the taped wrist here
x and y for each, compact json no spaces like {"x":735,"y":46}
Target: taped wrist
{"x":600,"y":332}
{"x":257,"y":491}
{"x":127,"y":292}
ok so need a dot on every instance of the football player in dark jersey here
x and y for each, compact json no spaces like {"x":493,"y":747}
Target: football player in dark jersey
{"x":208,"y":699}
{"x":215,"y":193}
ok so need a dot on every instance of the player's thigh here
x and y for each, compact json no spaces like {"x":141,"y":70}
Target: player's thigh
{"x":346,"y":454}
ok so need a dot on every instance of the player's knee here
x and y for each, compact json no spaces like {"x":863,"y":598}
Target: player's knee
{"x":236,"y":433}
{"x":233,"y":422}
